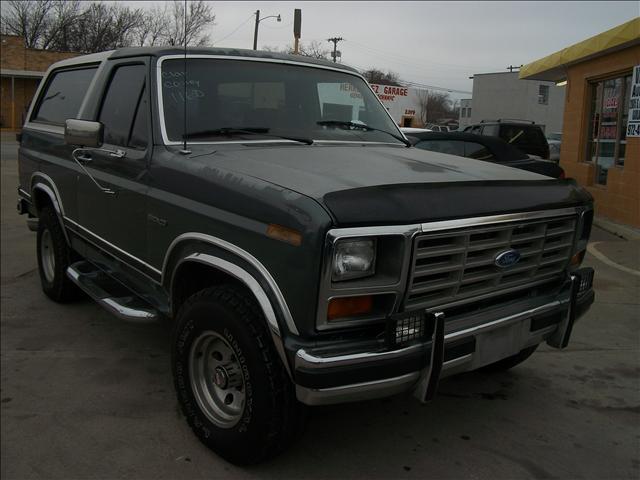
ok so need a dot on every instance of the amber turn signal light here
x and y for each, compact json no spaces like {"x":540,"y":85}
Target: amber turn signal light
{"x":346,"y":307}
{"x":284,"y":234}
{"x":576,"y":260}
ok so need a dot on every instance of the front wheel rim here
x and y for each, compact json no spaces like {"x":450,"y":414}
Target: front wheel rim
{"x":47,"y":256}
{"x":217,"y":380}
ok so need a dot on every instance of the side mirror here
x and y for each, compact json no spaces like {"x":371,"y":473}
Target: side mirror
{"x":83,"y":133}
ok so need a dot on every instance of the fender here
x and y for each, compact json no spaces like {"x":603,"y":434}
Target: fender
{"x":247,"y":279}
{"x":44,"y":183}
{"x":246,"y":268}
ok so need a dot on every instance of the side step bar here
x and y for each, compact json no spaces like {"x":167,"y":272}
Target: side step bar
{"x":111,"y":294}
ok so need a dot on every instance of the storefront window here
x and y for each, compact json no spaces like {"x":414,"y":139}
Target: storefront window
{"x":543,"y":94}
{"x":608,"y":124}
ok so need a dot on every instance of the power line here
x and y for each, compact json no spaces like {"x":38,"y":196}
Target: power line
{"x":433,"y":87}
{"x":277,"y":28}
{"x":416,"y":84}
{"x":236,"y":29}
{"x":396,"y":56}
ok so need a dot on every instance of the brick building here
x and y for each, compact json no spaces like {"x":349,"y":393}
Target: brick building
{"x":595,"y":149}
{"x":21,"y":70}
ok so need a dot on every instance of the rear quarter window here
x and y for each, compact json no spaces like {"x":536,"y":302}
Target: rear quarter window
{"x":522,"y":135}
{"x":450,"y":147}
{"x":63,"y":95}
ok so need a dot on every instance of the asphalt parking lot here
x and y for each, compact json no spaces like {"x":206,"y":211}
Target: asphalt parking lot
{"x":85,"y":395}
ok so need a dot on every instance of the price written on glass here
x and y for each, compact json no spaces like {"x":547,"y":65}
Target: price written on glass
{"x":633,"y":124}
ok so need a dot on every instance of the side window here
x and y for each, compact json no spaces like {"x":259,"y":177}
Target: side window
{"x":120,"y":104}
{"x":62,"y":97}
{"x":139,"y":131}
{"x":477,"y":151}
{"x":490,"y":130}
{"x":476,"y":129}
{"x":451,"y":147}
{"x":522,"y":135}
{"x":512,"y":134}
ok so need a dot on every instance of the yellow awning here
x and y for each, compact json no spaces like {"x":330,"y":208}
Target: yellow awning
{"x":553,"y":67}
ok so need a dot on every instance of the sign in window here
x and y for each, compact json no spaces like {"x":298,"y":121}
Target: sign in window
{"x":608,"y":118}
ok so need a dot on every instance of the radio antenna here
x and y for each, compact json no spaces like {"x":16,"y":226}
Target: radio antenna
{"x":185,"y":150}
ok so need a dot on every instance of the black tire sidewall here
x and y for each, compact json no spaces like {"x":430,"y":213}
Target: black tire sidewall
{"x":58,"y":289}
{"x":252,"y":431}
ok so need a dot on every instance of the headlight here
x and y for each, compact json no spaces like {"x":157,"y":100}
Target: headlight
{"x":354,"y":258}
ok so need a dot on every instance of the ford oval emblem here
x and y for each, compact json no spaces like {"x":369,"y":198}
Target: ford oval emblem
{"x":508,"y":258}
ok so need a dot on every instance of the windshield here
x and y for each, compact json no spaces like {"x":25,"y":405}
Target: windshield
{"x":555,"y":136}
{"x":254,"y":100}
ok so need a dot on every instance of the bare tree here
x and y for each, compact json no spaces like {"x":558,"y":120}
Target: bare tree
{"x":434,"y":106}
{"x":313,"y":49}
{"x":154,"y":28}
{"x":199,"y":17}
{"x":100,"y":27}
{"x":373,"y":75}
{"x":72,"y":25}
{"x":65,"y":14}
{"x":28,"y":19}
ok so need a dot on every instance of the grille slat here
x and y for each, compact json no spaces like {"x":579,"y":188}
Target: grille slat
{"x":436,"y":268}
{"x":434,"y":252}
{"x":451,"y":266}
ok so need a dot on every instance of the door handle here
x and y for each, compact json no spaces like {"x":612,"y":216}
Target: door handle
{"x":84,"y":158}
{"x":80,"y":156}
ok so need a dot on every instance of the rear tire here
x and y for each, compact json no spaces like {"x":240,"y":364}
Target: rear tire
{"x":510,"y":362}
{"x":231,"y":384}
{"x":54,"y":257}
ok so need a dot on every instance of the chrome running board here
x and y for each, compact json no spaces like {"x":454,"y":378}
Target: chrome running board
{"x":111,"y":294}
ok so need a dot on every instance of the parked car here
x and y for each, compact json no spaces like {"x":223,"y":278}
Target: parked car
{"x":303,"y":251}
{"x":554,"y":140}
{"x":437,"y":128}
{"x":489,"y":149}
{"x":525,"y":135}
{"x":412,"y":130}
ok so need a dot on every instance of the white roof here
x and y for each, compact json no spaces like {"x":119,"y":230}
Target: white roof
{"x":414,"y":130}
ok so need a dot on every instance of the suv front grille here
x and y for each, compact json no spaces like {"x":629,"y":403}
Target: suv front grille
{"x":454,"y":265}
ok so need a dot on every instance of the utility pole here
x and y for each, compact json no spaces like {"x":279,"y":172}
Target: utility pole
{"x":255,"y":32}
{"x":297,"y":28}
{"x":258,"y":20}
{"x":335,"y":41}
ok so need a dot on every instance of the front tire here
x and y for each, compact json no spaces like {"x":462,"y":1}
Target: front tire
{"x":54,"y":257}
{"x":230,"y":382}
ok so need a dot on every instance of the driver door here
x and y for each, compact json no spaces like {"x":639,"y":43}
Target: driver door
{"x":115,"y":221}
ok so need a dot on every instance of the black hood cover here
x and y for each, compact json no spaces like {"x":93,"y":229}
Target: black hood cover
{"x":418,"y":203}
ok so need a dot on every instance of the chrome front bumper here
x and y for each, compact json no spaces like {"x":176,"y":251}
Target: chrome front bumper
{"x":419,"y":366}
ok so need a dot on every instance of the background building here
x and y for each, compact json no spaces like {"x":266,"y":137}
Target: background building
{"x":598,"y":148}
{"x":465,"y":113}
{"x":21,"y":70}
{"x":503,"y":95}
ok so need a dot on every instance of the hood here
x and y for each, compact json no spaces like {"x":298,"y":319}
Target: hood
{"x":368,"y":185}
{"x":321,"y":169}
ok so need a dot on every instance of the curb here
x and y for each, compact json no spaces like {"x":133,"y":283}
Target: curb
{"x":593,"y":250}
{"x":624,"y":231}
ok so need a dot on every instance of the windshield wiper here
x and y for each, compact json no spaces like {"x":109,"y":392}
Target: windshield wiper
{"x":361,"y":126}
{"x":229,"y":131}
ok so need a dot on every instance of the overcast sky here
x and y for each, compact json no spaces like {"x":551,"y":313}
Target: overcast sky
{"x":435,"y":43}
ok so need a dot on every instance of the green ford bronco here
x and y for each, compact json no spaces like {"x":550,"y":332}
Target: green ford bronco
{"x":304,"y":253}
